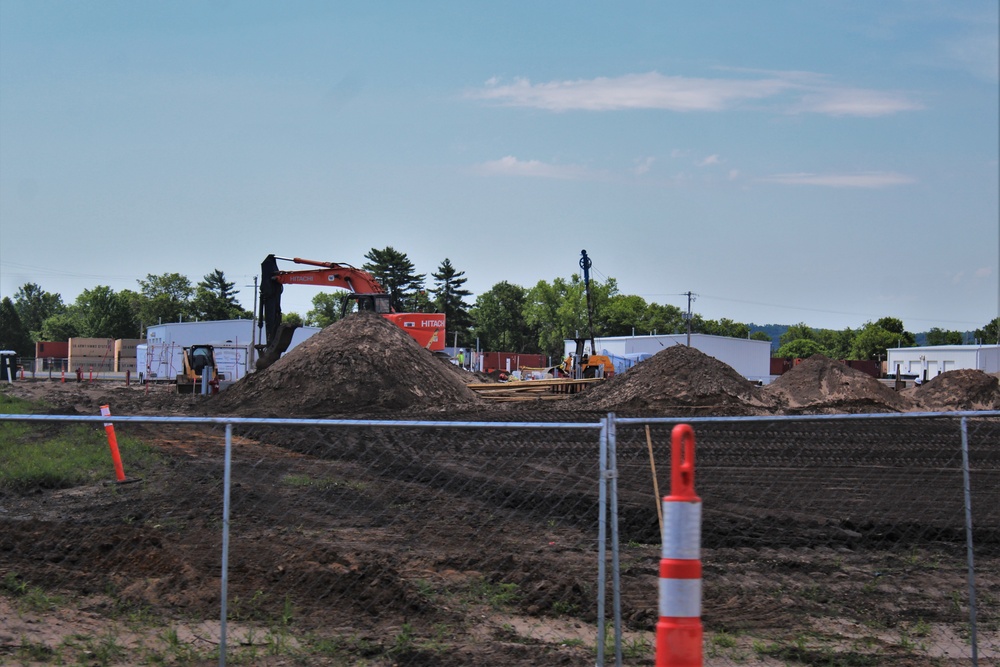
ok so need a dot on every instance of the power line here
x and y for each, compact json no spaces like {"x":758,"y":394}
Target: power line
{"x":786,"y":306}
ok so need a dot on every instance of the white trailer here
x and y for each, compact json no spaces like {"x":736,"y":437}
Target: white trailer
{"x":932,"y":360}
{"x":162,"y":358}
{"x":749,"y":358}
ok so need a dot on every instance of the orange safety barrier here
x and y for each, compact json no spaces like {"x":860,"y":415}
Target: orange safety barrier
{"x":113,"y":443}
{"x":679,"y":631}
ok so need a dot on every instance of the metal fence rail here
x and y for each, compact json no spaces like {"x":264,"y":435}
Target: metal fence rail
{"x":872,"y":538}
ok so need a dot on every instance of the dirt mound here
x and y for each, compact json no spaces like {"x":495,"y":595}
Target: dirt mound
{"x":822,"y":385}
{"x":357,"y":366}
{"x":964,"y":389}
{"x":678,"y":379}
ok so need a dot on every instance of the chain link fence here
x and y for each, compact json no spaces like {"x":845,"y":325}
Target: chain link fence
{"x":825,"y":540}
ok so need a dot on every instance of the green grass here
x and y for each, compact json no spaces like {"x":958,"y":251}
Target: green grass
{"x":29,"y":598}
{"x":496,"y":595}
{"x":49,"y":455}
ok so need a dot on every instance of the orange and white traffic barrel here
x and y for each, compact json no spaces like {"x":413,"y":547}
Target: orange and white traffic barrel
{"x":678,"y":630}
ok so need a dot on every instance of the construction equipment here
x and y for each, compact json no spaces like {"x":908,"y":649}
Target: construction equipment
{"x":196,"y":359}
{"x":581,"y":365}
{"x":592,"y":365}
{"x":363,"y":289}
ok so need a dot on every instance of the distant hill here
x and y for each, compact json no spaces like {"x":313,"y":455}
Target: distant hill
{"x":773,"y":331}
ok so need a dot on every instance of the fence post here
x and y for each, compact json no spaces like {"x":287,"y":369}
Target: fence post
{"x":968,"y":540}
{"x":679,"y":631}
{"x":226,"y":492}
{"x":602,"y":539}
{"x":616,"y":586}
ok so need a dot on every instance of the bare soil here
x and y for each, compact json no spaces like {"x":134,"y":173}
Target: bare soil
{"x":451,"y":519}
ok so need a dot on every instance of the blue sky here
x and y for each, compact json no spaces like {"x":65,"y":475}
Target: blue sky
{"x":820,"y":162}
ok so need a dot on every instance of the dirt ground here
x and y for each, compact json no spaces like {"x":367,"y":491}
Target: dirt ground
{"x":444,"y":546}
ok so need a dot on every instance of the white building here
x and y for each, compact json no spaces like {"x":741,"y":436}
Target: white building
{"x":749,"y":358}
{"x":161,"y":358}
{"x":932,"y":360}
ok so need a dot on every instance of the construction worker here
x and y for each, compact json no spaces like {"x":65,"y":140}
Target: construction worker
{"x":567,"y":364}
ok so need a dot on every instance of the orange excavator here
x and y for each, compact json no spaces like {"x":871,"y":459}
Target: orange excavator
{"x":426,"y":328}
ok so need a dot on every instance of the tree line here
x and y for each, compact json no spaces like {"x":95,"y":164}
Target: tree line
{"x":507,"y":317}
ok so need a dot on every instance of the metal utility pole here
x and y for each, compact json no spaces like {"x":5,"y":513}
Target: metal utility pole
{"x":251,"y":357}
{"x":687,"y":316}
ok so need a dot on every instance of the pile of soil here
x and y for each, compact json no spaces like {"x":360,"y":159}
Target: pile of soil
{"x":679,"y":379}
{"x":820,"y":385}
{"x":357,"y":366}
{"x":364,"y":366}
{"x":964,"y":389}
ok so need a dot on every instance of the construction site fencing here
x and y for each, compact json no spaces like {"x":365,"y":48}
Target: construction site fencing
{"x":853,"y":539}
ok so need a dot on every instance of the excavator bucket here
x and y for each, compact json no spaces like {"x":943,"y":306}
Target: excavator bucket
{"x":276,"y":347}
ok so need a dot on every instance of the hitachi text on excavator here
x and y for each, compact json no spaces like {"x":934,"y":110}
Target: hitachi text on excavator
{"x":426,"y":328}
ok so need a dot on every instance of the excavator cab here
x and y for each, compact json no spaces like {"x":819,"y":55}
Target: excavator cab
{"x":378,"y":303}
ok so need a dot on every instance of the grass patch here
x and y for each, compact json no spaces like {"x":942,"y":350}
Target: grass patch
{"x":56,"y":455}
{"x":798,"y":652}
{"x":496,"y":595}
{"x":29,"y":598}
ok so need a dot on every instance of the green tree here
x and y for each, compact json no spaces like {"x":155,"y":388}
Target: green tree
{"x":558,"y":311}
{"x":166,"y":298}
{"x":449,"y":298}
{"x":800,"y":348}
{"x":760,"y":335}
{"x":419,"y":302}
{"x":938,"y":336}
{"x":395,"y":272}
{"x":624,"y":314}
{"x":34,"y":305}
{"x":835,"y":344}
{"x":499,"y":318}
{"x":61,"y":327}
{"x":215,"y":299}
{"x":873,"y":339}
{"x":796,"y":332}
{"x":895,"y":325}
{"x":725,"y":327}
{"x":662,"y":319}
{"x":293,"y":319}
{"x":13,"y":335}
{"x":990,"y":333}
{"x":102,"y":313}
{"x":326,"y":309}
{"x":547,"y":316}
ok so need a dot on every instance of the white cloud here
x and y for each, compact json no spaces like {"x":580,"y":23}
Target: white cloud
{"x":709,"y":161}
{"x":984,"y":272}
{"x":872,"y":179}
{"x":855,"y":102}
{"x":511,"y":166}
{"x":976,"y":54}
{"x":642,"y":166}
{"x":653,"y":90}
{"x":632,"y":91}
